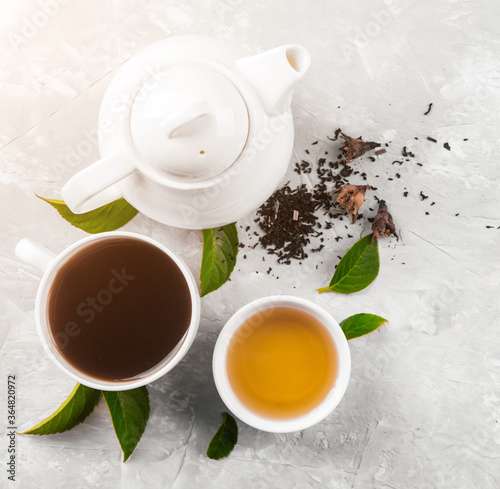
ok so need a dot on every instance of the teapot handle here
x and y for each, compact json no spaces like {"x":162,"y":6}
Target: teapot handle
{"x":93,"y":186}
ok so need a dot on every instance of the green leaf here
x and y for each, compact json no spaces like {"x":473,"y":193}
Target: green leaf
{"x":106,"y":218}
{"x":357,"y":269}
{"x":361,"y":324}
{"x":225,"y":439}
{"x":130,"y":413}
{"x":220,"y":247}
{"x":80,"y":403}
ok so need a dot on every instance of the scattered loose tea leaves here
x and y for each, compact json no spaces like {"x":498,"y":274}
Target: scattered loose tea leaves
{"x":383,"y":223}
{"x":284,"y":235}
{"x":337,"y":132}
{"x":291,"y":237}
{"x":429,"y":109}
{"x":288,"y":237}
{"x":407,"y":153}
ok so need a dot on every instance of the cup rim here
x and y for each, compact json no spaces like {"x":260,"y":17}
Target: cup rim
{"x":317,"y":414}
{"x":43,"y":328}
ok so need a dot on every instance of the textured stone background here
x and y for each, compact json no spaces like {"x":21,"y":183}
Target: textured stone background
{"x":422,"y":407}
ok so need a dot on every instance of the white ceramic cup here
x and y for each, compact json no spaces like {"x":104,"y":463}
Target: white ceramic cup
{"x":49,"y":263}
{"x":288,"y":425}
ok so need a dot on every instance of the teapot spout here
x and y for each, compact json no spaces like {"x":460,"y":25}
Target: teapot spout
{"x":274,"y":73}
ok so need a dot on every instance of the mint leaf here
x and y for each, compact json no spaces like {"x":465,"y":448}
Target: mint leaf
{"x":130,"y":413}
{"x":225,"y":439}
{"x":80,"y":403}
{"x":357,"y":269}
{"x":106,"y":218}
{"x":361,"y":324}
{"x":220,"y":247}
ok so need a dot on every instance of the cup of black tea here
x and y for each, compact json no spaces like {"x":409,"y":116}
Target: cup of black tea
{"x":116,"y":310}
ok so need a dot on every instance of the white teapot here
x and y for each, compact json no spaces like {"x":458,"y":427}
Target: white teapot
{"x":195,"y":132}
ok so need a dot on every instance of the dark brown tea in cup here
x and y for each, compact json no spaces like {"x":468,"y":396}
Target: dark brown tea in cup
{"x":117,"y":307}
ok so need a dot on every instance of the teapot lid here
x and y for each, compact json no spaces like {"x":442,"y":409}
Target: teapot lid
{"x":190,"y":122}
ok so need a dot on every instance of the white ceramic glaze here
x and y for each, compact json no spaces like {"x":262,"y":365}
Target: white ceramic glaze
{"x":196,"y":132}
{"x":286,"y":425}
{"x":48,"y":263}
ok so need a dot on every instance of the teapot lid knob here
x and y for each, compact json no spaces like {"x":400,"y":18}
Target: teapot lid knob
{"x":190,"y":122}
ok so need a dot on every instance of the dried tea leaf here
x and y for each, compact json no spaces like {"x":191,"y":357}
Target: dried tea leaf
{"x":351,"y":198}
{"x":383,"y":223}
{"x":354,"y":148}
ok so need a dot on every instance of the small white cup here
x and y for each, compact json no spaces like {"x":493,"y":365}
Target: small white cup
{"x":314,"y":416}
{"x":49,"y":263}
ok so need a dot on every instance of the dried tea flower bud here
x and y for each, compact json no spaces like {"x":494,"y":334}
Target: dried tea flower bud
{"x":351,"y":198}
{"x":354,"y":148}
{"x":383,"y":223}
